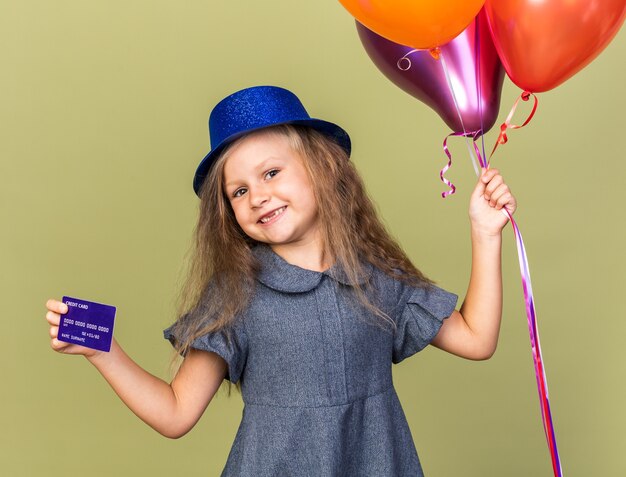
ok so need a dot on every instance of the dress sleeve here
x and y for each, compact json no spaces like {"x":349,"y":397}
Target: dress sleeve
{"x":233,"y":352}
{"x":421,"y":312}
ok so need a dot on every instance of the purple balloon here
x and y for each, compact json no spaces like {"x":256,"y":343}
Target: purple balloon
{"x":475,"y":73}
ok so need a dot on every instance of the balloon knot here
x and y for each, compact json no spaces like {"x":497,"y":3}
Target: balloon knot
{"x":435,"y":52}
{"x":526,"y":95}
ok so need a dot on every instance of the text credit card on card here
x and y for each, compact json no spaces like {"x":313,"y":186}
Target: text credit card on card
{"x":87,"y":323}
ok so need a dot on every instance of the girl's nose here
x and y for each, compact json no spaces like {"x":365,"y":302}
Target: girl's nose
{"x":259,"y":197}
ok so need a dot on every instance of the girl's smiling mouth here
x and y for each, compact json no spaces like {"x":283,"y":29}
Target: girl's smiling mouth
{"x":272,"y":216}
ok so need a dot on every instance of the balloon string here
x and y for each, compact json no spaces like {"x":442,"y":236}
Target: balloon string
{"x":529,"y":300}
{"x":502,"y":137}
{"x":540,"y":372}
{"x":542,"y":384}
{"x":477,"y":78}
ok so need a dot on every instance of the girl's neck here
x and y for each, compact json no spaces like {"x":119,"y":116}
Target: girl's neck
{"x":308,"y":256}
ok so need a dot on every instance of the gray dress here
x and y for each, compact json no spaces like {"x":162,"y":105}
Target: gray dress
{"x":316,"y":377}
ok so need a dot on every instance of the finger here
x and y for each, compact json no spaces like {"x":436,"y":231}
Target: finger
{"x":511,"y":204}
{"x":56,"y":306}
{"x":53,"y":318}
{"x":498,"y":193}
{"x":494,"y":183}
{"x":504,"y":200}
{"x":58,"y":345}
{"x":479,"y":189}
{"x":489,"y":174}
{"x":54,"y":332}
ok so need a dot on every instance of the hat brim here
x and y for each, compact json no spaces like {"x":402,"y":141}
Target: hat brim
{"x":333,"y":131}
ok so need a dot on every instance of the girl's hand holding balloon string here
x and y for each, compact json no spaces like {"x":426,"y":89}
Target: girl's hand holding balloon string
{"x":472,"y":332}
{"x":490,"y":196}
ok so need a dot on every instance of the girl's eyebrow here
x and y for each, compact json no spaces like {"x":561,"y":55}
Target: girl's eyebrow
{"x":263,"y":164}
{"x":258,"y":167}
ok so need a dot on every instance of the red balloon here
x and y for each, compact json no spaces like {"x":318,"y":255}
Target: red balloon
{"x":542,"y":43}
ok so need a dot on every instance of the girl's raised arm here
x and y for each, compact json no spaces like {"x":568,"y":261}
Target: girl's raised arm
{"x":171,"y":409}
{"x":472,"y":332}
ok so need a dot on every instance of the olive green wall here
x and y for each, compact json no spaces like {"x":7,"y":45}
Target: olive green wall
{"x":103,"y":119}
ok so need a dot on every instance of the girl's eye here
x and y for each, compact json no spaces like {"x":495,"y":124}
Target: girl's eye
{"x":271,"y":173}
{"x":239,"y":192}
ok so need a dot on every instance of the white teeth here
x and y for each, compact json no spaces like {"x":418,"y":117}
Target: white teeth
{"x":270,"y":217}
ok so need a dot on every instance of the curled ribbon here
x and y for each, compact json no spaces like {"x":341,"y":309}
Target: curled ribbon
{"x":446,"y":167}
{"x":502,"y":137}
{"x":473,"y":135}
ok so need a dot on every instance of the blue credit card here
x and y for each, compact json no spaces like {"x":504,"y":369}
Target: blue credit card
{"x":87,"y":323}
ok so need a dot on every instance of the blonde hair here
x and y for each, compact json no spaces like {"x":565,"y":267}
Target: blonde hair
{"x":221,"y":255}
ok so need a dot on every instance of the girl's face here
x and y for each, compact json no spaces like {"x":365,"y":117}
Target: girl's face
{"x":270,"y":191}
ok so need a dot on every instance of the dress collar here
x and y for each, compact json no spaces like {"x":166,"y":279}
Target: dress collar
{"x":275,"y":272}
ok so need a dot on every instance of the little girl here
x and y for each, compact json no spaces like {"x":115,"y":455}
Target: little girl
{"x":299,"y":296}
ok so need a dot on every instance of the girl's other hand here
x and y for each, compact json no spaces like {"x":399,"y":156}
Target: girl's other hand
{"x":490,"y":196}
{"x":55,"y":310}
